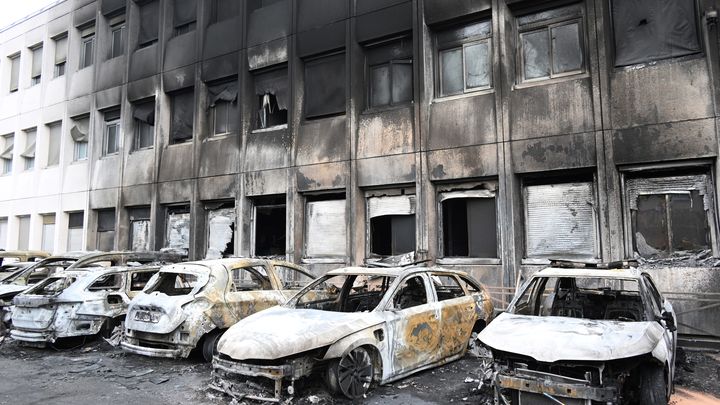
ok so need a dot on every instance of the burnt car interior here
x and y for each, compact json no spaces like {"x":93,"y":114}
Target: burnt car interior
{"x":174,"y":284}
{"x":37,"y":274}
{"x":52,"y":286}
{"x":587,"y":298}
{"x":346,"y":293}
{"x":251,"y":278}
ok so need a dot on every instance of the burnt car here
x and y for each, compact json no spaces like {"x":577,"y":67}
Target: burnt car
{"x":8,"y":269}
{"x":77,"y":302}
{"x":14,"y":260}
{"x":579,"y":334}
{"x":356,"y":326}
{"x":189,"y":305}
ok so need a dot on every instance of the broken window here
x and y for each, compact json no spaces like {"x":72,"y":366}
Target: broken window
{"x":149,"y":23}
{"x":105,"y":230}
{"x":447,"y":287}
{"x":251,"y":279}
{"x":325,"y":86}
{"x":177,"y":228}
{"x":112,"y":131}
{"x":269,"y":224}
{"x":464,"y":58}
{"x":75,"y":231}
{"x":139,"y":229}
{"x":7,"y":154}
{"x":551,"y":43}
{"x":184,"y":16}
{"x":14,"y":72}
{"x":469,"y":223}
{"x":48,"y":233}
{"x":28,"y":153}
{"x":87,"y":47}
{"x":3,"y":232}
{"x":271,"y":92}
{"x":174,"y":284}
{"x":411,"y":293}
{"x":392,"y":224}
{"x":325,"y":227}
{"x":144,"y":120}
{"x":223,"y":10}
{"x":670,"y":215}
{"x":54,"y":138}
{"x":117,"y":36}
{"x":647,"y":30}
{"x":36,"y":68}
{"x":224,"y":107}
{"x":220,"y":230}
{"x":181,"y":126}
{"x":390,"y":73}
{"x":345,"y":293}
{"x":79,"y":134}
{"x":23,"y":232}
{"x":60,"y":55}
{"x":108,"y":282}
{"x":292,"y":278}
{"x":560,"y":221}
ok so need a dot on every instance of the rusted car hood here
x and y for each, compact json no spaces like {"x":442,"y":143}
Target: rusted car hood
{"x":169,"y":309}
{"x":550,"y":338}
{"x":279,"y":332}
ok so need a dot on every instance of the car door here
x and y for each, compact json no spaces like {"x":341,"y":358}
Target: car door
{"x":252,"y":292}
{"x":289,"y":278}
{"x":661,"y":305}
{"x":413,"y":325}
{"x":458,"y":313}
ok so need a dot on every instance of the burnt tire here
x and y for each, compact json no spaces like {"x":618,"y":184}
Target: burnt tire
{"x":352,"y":374}
{"x":653,"y":387}
{"x":209,"y":345}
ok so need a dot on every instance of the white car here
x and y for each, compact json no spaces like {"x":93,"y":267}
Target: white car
{"x":579,"y":334}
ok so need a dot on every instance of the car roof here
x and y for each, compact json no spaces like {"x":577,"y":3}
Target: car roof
{"x":228,"y":262}
{"x":390,"y":271}
{"x":30,"y":253}
{"x":629,"y":273}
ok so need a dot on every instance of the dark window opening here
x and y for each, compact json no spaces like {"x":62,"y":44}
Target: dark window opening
{"x":271,"y":90}
{"x":325,"y":86}
{"x":149,"y":24}
{"x":105,"y":230}
{"x":87,"y":50}
{"x":184,"y":28}
{"x":109,"y":282}
{"x":224,"y":10}
{"x":183,"y":110}
{"x":412,"y":292}
{"x":253,"y":5}
{"x":270,"y":227}
{"x":139,"y":280}
{"x":390,"y":71}
{"x":469,"y":227}
{"x":184,"y":16}
{"x":117,"y":45}
{"x":112,"y":132}
{"x":464,"y":58}
{"x":392,"y":234}
{"x":648,"y":30}
{"x":224,"y":108}
{"x":551,"y":43}
{"x":144,"y":120}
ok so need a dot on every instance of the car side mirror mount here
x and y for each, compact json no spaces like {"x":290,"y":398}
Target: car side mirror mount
{"x":669,"y":321}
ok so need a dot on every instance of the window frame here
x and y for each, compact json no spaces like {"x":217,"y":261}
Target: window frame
{"x":309,"y":258}
{"x":29,"y":163}
{"x":7,"y":164}
{"x":14,"y":87}
{"x":59,"y":66}
{"x":548,"y":25}
{"x":85,"y":40}
{"x":120,"y":26}
{"x":370,"y":87}
{"x":107,"y":126}
{"x":410,"y":193}
{"x":35,"y":80}
{"x":462,"y":44}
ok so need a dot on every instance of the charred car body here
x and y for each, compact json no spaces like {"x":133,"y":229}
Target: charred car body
{"x":584,"y":336}
{"x":356,"y":326}
{"x":79,"y":300}
{"x":189,"y":305}
{"x":13,"y":260}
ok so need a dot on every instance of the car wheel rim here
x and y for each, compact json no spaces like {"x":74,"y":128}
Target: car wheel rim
{"x":355,"y":373}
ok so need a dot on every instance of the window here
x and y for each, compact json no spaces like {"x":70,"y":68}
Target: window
{"x":75,"y":231}
{"x":325,"y":227}
{"x":271,"y":92}
{"x":325,"y":86}
{"x":23,"y":232}
{"x":3,"y":232}
{"x":88,"y":47}
{"x":14,"y":72}
{"x":184,"y":16}
{"x":251,"y":279}
{"x":447,"y":287}
{"x":144,"y":121}
{"x":60,"y":55}
{"x":7,"y":154}
{"x":646,"y":30}
{"x":224,"y":10}
{"x":48,"y":233}
{"x":139,"y":229}
{"x":139,"y":279}
{"x":560,"y":221}
{"x":390,"y":73}
{"x":181,"y":126}
{"x":670,"y":215}
{"x":177,"y":227}
{"x":551,"y":43}
{"x":411,"y":293}
{"x":108,"y":282}
{"x":79,"y":134}
{"x":469,"y":223}
{"x":224,"y":108}
{"x":464,"y":58}
{"x":149,"y":24}
{"x":292,"y":278}
{"x":269,"y":226}
{"x":117,"y":38}
{"x":112,"y":132}
{"x":36,"y":68}
{"x":391,"y":224}
{"x":220,"y":230}
{"x":28,"y":154}
{"x":105,"y":230}
{"x":54,"y":138}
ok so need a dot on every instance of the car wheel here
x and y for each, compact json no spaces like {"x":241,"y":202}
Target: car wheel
{"x":209,"y":345}
{"x":653,"y":390}
{"x":352,"y":374}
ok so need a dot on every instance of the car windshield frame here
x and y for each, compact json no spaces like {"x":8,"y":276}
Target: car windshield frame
{"x":36,"y":289}
{"x":203,"y":275}
{"x":388,"y":285}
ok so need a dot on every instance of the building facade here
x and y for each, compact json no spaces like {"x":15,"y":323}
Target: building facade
{"x":487,"y":135}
